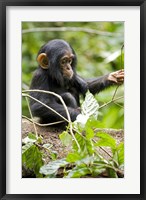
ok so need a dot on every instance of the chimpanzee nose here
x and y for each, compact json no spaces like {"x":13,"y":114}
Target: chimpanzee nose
{"x":68,"y":67}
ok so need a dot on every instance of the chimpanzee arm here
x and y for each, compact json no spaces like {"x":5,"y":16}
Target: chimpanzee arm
{"x":47,"y":116}
{"x":95,"y":85}
{"x":80,"y":84}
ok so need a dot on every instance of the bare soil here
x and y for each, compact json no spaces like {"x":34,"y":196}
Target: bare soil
{"x":50,"y":135}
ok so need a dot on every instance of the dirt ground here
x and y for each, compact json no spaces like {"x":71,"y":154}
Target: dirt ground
{"x":50,"y":135}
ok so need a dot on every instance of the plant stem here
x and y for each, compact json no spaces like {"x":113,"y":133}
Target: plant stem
{"x":27,"y":95}
{"x":64,"y":105}
{"x":36,"y":133}
{"x":42,"y":125}
{"x":115,"y":92}
{"x":110,"y":102}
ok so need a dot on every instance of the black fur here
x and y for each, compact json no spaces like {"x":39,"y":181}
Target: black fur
{"x":51,"y":79}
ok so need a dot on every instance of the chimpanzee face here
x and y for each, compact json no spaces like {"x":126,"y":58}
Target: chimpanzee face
{"x":58,"y":53}
{"x":66,"y":65}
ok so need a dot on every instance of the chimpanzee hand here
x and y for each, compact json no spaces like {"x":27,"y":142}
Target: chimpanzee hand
{"x":117,"y":77}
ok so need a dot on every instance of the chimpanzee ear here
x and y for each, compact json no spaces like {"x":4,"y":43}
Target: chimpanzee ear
{"x":43,"y":60}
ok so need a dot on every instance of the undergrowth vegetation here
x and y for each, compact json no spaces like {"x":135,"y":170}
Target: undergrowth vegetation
{"x":93,"y":151}
{"x":85,"y":140}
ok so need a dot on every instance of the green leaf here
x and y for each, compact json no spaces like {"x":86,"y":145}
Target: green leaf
{"x":53,"y":155}
{"x":32,"y":136}
{"x":120,"y":150}
{"x":97,"y":170}
{"x":112,"y":57}
{"x":78,"y":172}
{"x":87,"y":147}
{"x":81,"y":142}
{"x":94,"y":123}
{"x":90,"y":147}
{"x":106,"y":140}
{"x":115,"y":157}
{"x":32,"y":158}
{"x":86,"y":161}
{"x":90,"y":106}
{"x":89,"y":132}
{"x":40,"y":140}
{"x":26,"y":147}
{"x":65,"y":138}
{"x":73,"y":157}
{"x":53,"y":167}
{"x":112,"y":173}
{"x":28,"y":140}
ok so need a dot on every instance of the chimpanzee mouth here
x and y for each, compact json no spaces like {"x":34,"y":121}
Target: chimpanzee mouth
{"x":68,"y":76}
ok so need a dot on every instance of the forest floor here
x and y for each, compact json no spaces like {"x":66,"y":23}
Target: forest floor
{"x":50,"y":135}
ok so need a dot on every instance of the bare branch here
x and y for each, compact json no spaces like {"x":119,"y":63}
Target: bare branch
{"x":36,"y":133}
{"x":42,"y":125}
{"x":105,"y":104}
{"x":64,"y":105}
{"x":115,"y":92}
{"x":73,"y":29}
{"x":26,"y":95}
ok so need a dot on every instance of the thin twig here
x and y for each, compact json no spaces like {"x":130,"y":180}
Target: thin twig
{"x":64,"y":105}
{"x":110,"y":102}
{"x":27,"y":95}
{"x":121,"y":65}
{"x":115,"y":92}
{"x":42,"y":125}
{"x":102,"y":149}
{"x":121,"y":55}
{"x":36,"y":133}
{"x":105,"y":152}
{"x":73,"y":29}
{"x":118,"y":104}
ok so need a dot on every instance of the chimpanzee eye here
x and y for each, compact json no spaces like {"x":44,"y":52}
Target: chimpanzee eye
{"x":63,"y":61}
{"x":70,"y":61}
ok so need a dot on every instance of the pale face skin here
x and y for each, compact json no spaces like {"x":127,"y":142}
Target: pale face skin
{"x":65,"y":64}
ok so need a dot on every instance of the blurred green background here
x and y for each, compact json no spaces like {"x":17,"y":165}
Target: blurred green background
{"x":98,"y":46}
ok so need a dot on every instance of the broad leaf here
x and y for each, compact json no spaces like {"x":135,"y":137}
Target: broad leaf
{"x":65,"y":138}
{"x":26,"y":147}
{"x":28,"y":140}
{"x":90,"y":106}
{"x":32,"y":158}
{"x":89,"y":132}
{"x":120,"y":151}
{"x":97,"y":170}
{"x":53,"y":167}
{"x":106,"y":140}
{"x":32,"y":136}
{"x":73,"y":157}
{"x":78,"y":172}
{"x":112,"y":173}
{"x":53,"y":155}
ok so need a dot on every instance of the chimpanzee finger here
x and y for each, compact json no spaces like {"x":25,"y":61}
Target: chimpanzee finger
{"x":120,"y":76}
{"x":120,"y":81}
